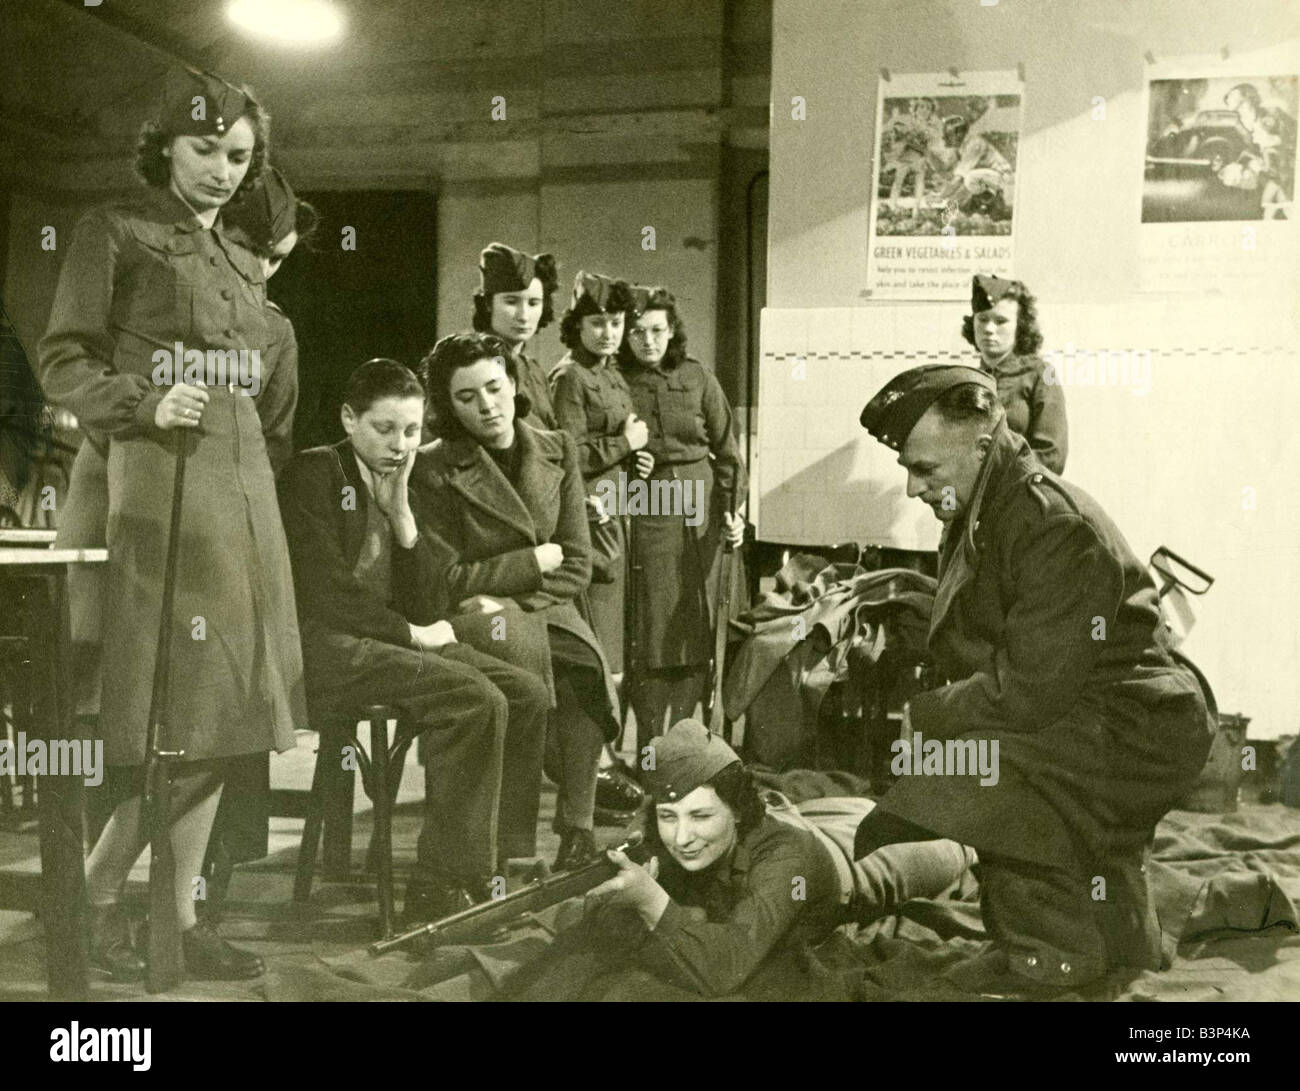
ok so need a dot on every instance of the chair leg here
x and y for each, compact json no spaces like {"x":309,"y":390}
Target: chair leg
{"x":379,"y":716}
{"x":396,"y":763}
{"x":311,"y":830}
{"x":340,"y":789}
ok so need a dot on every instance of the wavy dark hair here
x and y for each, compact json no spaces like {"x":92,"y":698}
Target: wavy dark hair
{"x":660,"y":300}
{"x":155,"y":168}
{"x":443,"y":361}
{"x":735,"y":787}
{"x":1029,"y":338}
{"x":620,"y":300}
{"x":306,"y":221}
{"x":545,"y":271}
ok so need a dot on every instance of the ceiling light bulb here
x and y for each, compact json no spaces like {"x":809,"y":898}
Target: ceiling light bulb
{"x":297,"y":22}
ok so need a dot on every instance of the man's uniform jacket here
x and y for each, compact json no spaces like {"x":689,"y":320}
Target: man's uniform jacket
{"x":1099,"y":732}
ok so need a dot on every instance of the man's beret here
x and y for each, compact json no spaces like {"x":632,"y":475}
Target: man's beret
{"x":219,"y":106}
{"x":504,"y":269}
{"x":685,"y":756}
{"x":893,"y":412}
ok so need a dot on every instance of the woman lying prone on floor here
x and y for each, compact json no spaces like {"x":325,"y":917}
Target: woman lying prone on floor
{"x":739,"y":883}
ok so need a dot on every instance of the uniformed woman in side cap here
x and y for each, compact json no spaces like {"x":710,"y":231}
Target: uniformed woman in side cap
{"x":593,"y":404}
{"x":270,"y":221}
{"x":738,"y":884}
{"x":1003,"y":325}
{"x":146,"y":280}
{"x":692,"y":441}
{"x":514,"y":301}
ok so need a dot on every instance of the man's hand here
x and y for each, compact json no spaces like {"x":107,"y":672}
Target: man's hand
{"x":634,"y":886}
{"x":479,"y":604}
{"x":181,"y":407}
{"x":645,"y":462}
{"x":430,"y":638}
{"x":733,"y":531}
{"x":549,"y":557}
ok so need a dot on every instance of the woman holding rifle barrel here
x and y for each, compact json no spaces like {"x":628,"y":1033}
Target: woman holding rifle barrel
{"x":146,"y":281}
{"x":693,"y":444}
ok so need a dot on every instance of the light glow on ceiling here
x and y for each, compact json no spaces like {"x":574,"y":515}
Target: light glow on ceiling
{"x":293,"y":22}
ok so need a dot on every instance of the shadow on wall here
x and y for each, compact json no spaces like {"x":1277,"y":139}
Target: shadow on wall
{"x":802,"y":511}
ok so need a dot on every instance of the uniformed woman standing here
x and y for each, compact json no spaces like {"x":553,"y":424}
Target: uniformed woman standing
{"x":145,"y":280}
{"x":514,"y":302}
{"x":593,"y":404}
{"x":270,"y":220}
{"x":692,"y":442}
{"x":1003,"y":325}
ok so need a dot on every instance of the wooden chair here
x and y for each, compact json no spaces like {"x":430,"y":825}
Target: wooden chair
{"x":329,"y":804}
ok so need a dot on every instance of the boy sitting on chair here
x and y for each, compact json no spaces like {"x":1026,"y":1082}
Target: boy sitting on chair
{"x":370,"y":610}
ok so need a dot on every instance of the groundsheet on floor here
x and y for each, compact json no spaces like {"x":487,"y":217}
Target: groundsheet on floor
{"x":1227,"y":887}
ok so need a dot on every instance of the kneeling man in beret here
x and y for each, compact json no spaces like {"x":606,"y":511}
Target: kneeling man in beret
{"x":1047,"y":627}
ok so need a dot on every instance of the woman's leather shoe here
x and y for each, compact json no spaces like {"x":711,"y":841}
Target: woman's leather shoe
{"x":208,"y":957}
{"x":111,"y":952}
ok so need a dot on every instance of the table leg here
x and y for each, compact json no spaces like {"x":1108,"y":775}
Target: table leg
{"x":63,"y":876}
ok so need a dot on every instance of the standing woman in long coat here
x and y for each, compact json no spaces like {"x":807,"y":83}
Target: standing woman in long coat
{"x":514,"y":301}
{"x":693,"y":441}
{"x":506,"y":502}
{"x":270,"y":221}
{"x":142,"y":277}
{"x":594,"y":405}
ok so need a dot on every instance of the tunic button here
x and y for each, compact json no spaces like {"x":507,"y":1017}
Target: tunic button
{"x":226,"y":293}
{"x":1032,"y":960}
{"x":212,"y":260}
{"x":229,"y":334}
{"x":1065,"y":967}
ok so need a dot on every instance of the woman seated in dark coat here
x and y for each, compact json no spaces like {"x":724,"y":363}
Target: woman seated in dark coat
{"x":738,"y":883}
{"x":508,"y":502}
